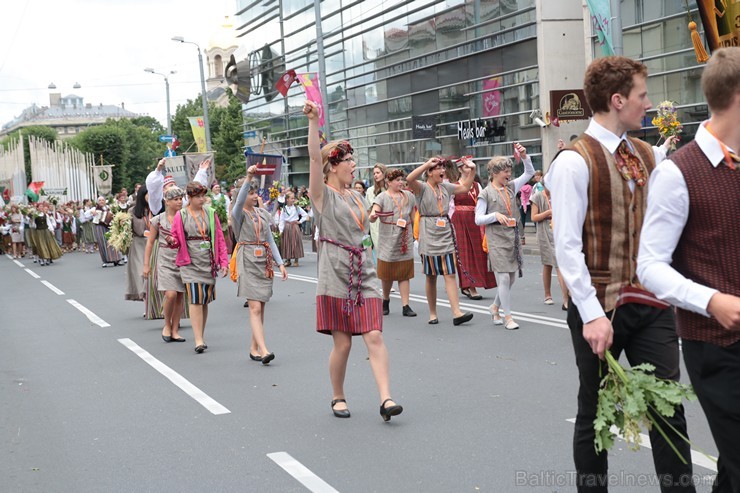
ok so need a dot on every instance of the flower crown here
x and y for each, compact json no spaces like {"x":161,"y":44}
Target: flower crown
{"x":337,"y":154}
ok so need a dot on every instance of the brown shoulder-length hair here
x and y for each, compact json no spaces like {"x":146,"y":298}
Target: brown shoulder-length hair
{"x":379,"y":188}
{"x":334,"y":153}
{"x":608,"y":76}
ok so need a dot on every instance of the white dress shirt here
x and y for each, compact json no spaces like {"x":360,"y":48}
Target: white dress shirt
{"x":481,"y":206}
{"x":667,"y":213}
{"x":291,"y":213}
{"x":568,"y":180}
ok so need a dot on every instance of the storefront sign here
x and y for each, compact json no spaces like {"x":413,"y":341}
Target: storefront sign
{"x":423,"y":127}
{"x":569,"y":105}
{"x":471,"y":129}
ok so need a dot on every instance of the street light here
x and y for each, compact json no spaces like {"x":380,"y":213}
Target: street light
{"x":167,"y":88}
{"x":202,"y":89}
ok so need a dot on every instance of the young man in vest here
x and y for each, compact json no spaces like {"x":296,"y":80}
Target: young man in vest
{"x":689,"y":257}
{"x":598,"y":185}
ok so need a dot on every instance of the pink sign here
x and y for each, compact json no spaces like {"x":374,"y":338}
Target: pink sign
{"x":492,"y":97}
{"x":310,"y":83}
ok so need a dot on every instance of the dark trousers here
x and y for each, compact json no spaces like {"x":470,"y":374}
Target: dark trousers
{"x":646,"y":335}
{"x":715,"y":374}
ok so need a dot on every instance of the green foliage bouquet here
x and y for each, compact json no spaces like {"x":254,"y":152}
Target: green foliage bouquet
{"x":120,"y":234}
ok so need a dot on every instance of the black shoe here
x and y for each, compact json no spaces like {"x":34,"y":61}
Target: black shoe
{"x":339,"y":413}
{"x":564,"y":308}
{"x":433,"y":321}
{"x":255,"y":358}
{"x":182,"y":339}
{"x":167,"y":338}
{"x":201,"y":348}
{"x":465,"y":317}
{"x":267,"y":358}
{"x":387,"y":412}
{"x":386,"y":307}
{"x":408,"y":312}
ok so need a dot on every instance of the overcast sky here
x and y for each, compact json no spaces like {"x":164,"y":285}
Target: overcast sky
{"x":105,"y":46}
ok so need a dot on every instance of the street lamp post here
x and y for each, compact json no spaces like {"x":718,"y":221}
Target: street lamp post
{"x":202,"y":89}
{"x":167,"y":88}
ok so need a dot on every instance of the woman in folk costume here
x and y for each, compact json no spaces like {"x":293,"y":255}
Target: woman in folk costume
{"x":291,"y":241}
{"x":437,"y":244}
{"x":46,"y":243}
{"x":86,"y":236}
{"x":140,"y":221}
{"x":393,"y":210}
{"x":469,"y":238}
{"x":379,"y":186}
{"x":348,"y":301}
{"x":160,"y":270}
{"x":16,"y":230}
{"x":542,"y":216}
{"x":254,"y":261}
{"x":496,"y":208}
{"x":101,"y":220}
{"x":201,"y":256}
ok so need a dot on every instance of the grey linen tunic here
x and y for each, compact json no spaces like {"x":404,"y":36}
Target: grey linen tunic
{"x":168,"y":274}
{"x":336,"y":222}
{"x":199,"y":269}
{"x":545,"y":240}
{"x":389,"y":233}
{"x":435,"y":240}
{"x":500,"y":238}
{"x":134,"y":279}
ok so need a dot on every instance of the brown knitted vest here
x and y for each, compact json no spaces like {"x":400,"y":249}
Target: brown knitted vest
{"x":611,"y":231}
{"x":707,"y":252}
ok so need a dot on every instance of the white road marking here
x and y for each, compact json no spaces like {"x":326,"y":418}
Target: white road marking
{"x":18,"y":264}
{"x":698,"y":458}
{"x":52,"y":287}
{"x":301,"y":473}
{"x":90,"y":315}
{"x":9,"y":256}
{"x":200,"y":397}
{"x":33,"y":274}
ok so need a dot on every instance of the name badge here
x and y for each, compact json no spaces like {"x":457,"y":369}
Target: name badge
{"x":259,"y":252}
{"x":441,"y":223}
{"x":511,"y":222}
{"x":204,"y":245}
{"x":367,"y":241}
{"x":146,"y":233}
{"x":401,"y":223}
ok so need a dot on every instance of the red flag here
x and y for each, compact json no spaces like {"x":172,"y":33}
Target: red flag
{"x":175,"y":144}
{"x":285,"y":81}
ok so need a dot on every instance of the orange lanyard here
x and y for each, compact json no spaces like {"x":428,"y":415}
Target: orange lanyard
{"x":257,"y":221}
{"x":404,"y":201}
{"x":728,"y":158}
{"x":507,"y":199}
{"x":439,"y":198}
{"x":202,"y":230}
{"x":359,"y":221}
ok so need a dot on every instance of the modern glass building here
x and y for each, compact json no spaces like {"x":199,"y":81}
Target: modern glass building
{"x":472,"y":68}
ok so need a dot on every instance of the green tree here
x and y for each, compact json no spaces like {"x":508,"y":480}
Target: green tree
{"x":228,"y":142}
{"x":107,"y":143}
{"x":46,"y":133}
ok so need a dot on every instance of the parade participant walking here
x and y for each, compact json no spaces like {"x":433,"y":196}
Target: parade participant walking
{"x":254,"y":261}
{"x":86,"y":237}
{"x":348,"y":301}
{"x":688,"y":257}
{"x":160,"y":267}
{"x":496,"y":208}
{"x":201,"y":256}
{"x":599,"y":188}
{"x":379,"y":185}
{"x":542,"y":217}
{"x":45,"y":241}
{"x":437,"y":245}
{"x":101,"y":220}
{"x":393,"y":209}
{"x":291,"y":238}
{"x":16,"y":230}
{"x":140,"y":221}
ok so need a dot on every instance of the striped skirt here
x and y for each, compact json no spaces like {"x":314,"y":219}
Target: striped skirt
{"x":439,"y":265}
{"x":402,"y":270}
{"x":153,"y":299}
{"x":107,"y":253}
{"x":291,"y":242}
{"x":331,"y":316}
{"x":199,"y":293}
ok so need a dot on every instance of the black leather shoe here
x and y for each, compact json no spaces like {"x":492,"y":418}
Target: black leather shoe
{"x":433,"y":321}
{"x":465,"y":317}
{"x":408,"y":312}
{"x":255,"y":358}
{"x":167,"y":338}
{"x":339,"y":413}
{"x":200,"y":349}
{"x":387,"y":412}
{"x":386,"y":307}
{"x":267,"y":358}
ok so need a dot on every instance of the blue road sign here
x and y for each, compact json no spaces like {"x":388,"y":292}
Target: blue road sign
{"x":250,"y":133}
{"x":166,"y":138}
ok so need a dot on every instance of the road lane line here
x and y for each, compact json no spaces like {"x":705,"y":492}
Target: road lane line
{"x":18,"y":264}
{"x":90,"y":315}
{"x":33,"y":274}
{"x":52,"y":287}
{"x":9,"y":256}
{"x":200,"y":397}
{"x":301,"y":473}
{"x":698,"y":458}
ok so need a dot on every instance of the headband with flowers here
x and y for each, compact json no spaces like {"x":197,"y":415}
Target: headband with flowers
{"x":342,"y":149}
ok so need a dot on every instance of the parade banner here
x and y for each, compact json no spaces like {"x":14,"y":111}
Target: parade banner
{"x":198,"y":126}
{"x":492,"y":97}
{"x":601,"y":16}
{"x":721,"y":22}
{"x":103,"y":178}
{"x":194,"y":160}
{"x":310,"y":83}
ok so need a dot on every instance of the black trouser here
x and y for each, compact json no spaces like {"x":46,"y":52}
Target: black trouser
{"x":646,"y":335}
{"x":715,"y":374}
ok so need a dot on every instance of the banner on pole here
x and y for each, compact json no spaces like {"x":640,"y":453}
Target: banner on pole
{"x":721,"y":22}
{"x":198,"y":126}
{"x":601,"y":20}
{"x":103,"y":178}
{"x":193,"y":162}
{"x":310,"y":83}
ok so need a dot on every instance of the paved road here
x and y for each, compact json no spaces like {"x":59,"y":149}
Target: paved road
{"x":97,"y":402}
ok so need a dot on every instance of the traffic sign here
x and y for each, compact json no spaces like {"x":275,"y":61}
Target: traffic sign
{"x":249,"y":133}
{"x":166,"y":138}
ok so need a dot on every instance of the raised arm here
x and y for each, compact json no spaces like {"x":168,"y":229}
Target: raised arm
{"x":413,"y":177}
{"x":316,"y":168}
{"x":202,"y":175}
{"x":468,"y":176}
{"x":528,"y":168}
{"x":237,"y":211}
{"x":155,"y":188}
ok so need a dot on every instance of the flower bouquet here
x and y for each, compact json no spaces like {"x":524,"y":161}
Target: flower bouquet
{"x":120,"y":234}
{"x":219,"y":207}
{"x":667,"y":121}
